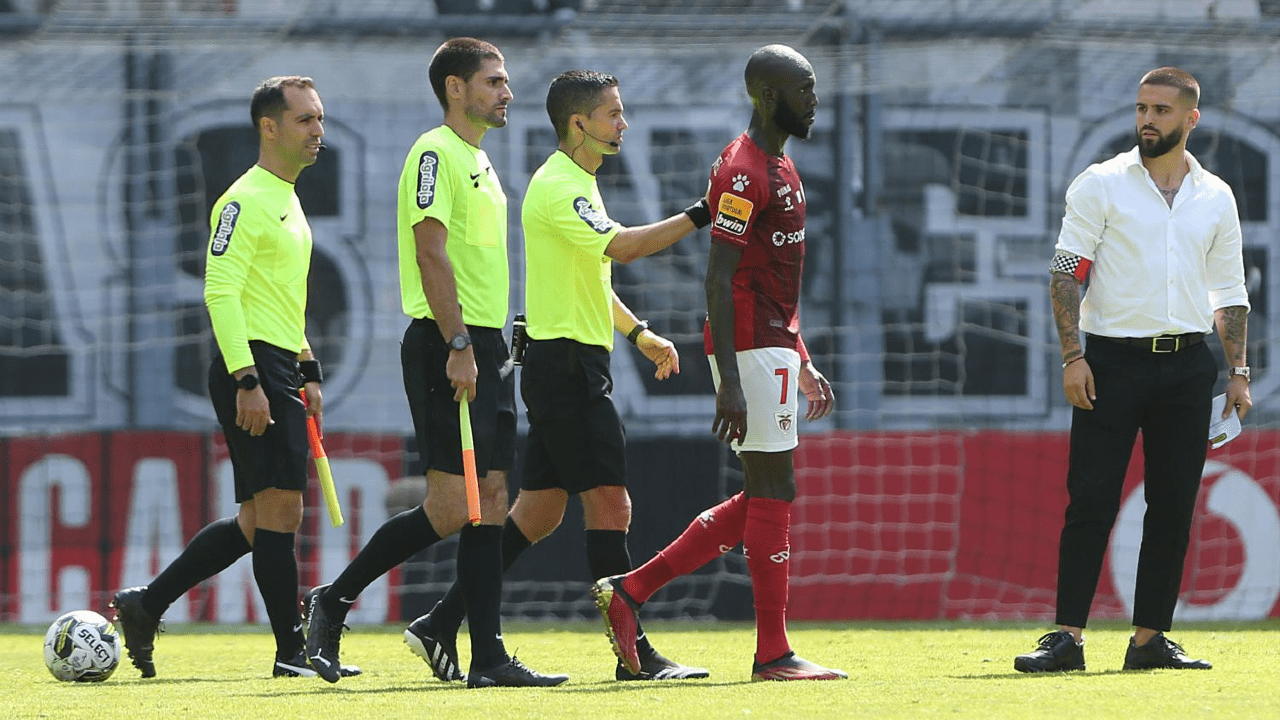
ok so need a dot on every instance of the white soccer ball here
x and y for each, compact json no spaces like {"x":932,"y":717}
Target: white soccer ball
{"x":82,"y":646}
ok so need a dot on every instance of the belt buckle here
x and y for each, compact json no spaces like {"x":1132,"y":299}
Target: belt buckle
{"x":1171,"y":344}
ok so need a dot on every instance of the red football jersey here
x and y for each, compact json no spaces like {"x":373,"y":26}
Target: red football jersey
{"x":759,"y":209}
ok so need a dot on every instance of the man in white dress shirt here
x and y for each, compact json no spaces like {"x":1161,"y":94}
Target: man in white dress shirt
{"x":1158,"y":239}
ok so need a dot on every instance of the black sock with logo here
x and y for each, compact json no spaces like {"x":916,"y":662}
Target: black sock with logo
{"x":399,"y":539}
{"x":275,"y":568}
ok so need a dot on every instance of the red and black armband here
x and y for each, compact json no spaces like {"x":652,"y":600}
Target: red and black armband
{"x":1070,"y":264}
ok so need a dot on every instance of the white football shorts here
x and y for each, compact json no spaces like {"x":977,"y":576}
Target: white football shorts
{"x":769,"y":381}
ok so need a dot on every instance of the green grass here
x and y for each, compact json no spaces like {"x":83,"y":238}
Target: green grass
{"x":897,"y":671}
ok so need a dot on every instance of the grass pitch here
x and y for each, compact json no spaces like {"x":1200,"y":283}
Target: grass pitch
{"x":954,"y":670}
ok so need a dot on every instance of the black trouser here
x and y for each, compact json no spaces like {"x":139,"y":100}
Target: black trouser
{"x":1168,"y":397}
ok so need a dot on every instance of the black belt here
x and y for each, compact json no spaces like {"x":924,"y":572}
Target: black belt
{"x":1162,"y":344}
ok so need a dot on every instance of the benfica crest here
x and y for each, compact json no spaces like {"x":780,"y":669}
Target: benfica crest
{"x":784,"y":420}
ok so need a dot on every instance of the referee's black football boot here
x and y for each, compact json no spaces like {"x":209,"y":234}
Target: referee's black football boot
{"x":1058,"y":651}
{"x":139,"y":628}
{"x":437,"y":649}
{"x":323,"y":638}
{"x":1161,"y":653}
{"x":512,"y":673}
{"x":295,"y":666}
{"x":344,"y":670}
{"x":654,"y":666}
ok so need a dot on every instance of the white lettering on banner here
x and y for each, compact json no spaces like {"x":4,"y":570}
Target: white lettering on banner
{"x":35,"y":535}
{"x":1240,"y":500}
{"x":153,"y":535}
{"x":362,"y":484}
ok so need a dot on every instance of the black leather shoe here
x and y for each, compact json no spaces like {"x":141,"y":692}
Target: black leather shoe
{"x":1058,"y":651}
{"x":1161,"y":652}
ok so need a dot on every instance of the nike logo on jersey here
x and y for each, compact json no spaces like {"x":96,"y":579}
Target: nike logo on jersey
{"x":282,"y":217}
{"x":344,"y":600}
{"x":298,"y":627}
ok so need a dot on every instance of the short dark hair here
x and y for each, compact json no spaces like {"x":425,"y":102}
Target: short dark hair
{"x":461,"y":57}
{"x":268,"y":97}
{"x":575,"y":91}
{"x":1188,"y":88}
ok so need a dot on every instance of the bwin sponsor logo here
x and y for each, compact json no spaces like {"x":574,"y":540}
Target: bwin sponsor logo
{"x":733,"y":225}
{"x":226,"y":226}
{"x":780,"y":238}
{"x":427,"y":179}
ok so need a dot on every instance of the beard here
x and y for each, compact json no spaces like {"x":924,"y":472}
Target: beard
{"x":1161,"y":145}
{"x":790,"y":121}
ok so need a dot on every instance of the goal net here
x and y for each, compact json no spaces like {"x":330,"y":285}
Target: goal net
{"x":947,"y":133}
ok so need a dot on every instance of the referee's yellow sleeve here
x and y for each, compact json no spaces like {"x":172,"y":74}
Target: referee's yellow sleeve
{"x":224,"y":281}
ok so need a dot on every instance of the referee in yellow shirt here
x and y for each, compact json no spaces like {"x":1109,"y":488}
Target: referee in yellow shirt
{"x":256,"y":289}
{"x":452,"y":226}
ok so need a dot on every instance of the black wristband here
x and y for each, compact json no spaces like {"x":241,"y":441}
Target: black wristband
{"x":310,"y":371}
{"x":635,"y":331}
{"x":699,"y":213}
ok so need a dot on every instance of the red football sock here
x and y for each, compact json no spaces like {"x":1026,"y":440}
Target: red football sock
{"x":765,"y":540}
{"x":710,"y":535}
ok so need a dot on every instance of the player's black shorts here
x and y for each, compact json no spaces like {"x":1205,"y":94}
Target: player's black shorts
{"x":278,"y":457}
{"x":576,"y":439}
{"x":423,"y":356}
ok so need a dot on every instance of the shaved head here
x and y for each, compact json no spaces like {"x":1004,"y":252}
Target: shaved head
{"x":771,"y":65}
{"x":781,"y":84}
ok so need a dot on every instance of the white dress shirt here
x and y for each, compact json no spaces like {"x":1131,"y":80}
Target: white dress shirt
{"x":1156,"y":269}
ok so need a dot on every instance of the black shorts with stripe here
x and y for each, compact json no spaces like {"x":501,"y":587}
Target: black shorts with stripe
{"x":576,"y":439}
{"x":423,"y":356}
{"x":278,"y":457}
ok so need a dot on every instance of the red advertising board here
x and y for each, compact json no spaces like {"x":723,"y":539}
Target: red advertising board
{"x":966,"y":525}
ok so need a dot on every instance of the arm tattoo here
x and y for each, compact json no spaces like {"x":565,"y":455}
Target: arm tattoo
{"x":1064,"y":292}
{"x":1233,"y":324}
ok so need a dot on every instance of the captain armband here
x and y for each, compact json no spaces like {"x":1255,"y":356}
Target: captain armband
{"x":1070,"y":264}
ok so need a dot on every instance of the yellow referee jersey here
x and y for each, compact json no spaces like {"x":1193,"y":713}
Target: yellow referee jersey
{"x":255,"y":280}
{"x":452,"y":181}
{"x":568,"y":278}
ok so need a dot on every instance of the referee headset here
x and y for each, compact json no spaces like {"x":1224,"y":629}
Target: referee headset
{"x":593,"y":137}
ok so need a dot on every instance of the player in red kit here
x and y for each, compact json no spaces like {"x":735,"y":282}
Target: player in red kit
{"x":758,"y":361}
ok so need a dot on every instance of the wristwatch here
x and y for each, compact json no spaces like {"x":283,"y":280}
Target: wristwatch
{"x":1242,"y":371}
{"x":461,"y":341}
{"x":247,"y":382}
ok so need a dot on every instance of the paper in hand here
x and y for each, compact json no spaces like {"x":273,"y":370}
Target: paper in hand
{"x":1222,"y":431}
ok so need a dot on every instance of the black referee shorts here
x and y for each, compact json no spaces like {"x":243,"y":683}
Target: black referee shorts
{"x":278,"y":457}
{"x":423,"y":356}
{"x":576,"y":439}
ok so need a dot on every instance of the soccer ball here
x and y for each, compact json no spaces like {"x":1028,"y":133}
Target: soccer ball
{"x":81,"y":646}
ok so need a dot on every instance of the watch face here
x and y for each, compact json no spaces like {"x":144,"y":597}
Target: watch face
{"x":459,"y":342}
